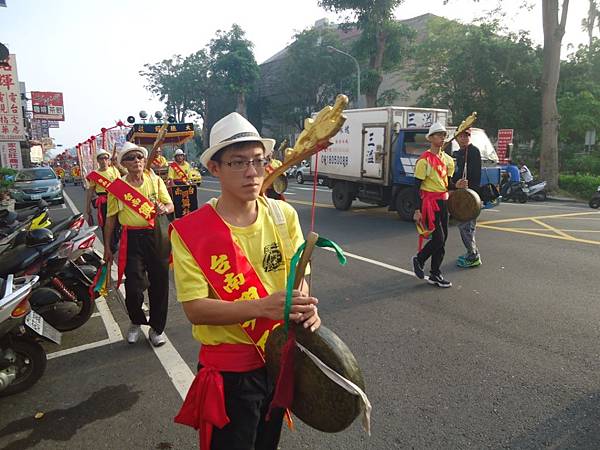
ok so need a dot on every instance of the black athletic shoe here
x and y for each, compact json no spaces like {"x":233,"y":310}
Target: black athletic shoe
{"x":439,"y":281}
{"x":418,"y":268}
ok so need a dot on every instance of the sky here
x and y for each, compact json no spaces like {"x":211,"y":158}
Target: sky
{"x":92,"y":50}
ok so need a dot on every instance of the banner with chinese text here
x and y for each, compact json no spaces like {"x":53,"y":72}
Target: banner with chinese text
{"x":10,"y":155}
{"x":11,"y":114}
{"x":86,"y":159}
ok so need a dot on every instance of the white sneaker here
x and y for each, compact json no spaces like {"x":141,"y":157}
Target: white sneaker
{"x":157,"y":339}
{"x":133,"y":334}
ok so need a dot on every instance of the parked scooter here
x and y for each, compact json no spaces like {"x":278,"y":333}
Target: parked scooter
{"x":595,"y":200}
{"x":537,"y":191}
{"x":62,"y":296}
{"x":22,"y":358}
{"x":12,"y":223}
{"x":513,"y":190}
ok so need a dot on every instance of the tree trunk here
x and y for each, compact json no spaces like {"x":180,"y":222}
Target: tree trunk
{"x":241,"y":104}
{"x":553,"y":34}
{"x":375,"y":64}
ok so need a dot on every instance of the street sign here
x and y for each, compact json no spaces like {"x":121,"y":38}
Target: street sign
{"x":505,"y":137}
{"x":48,"y":105}
{"x":590,"y":138}
{"x":11,"y":113}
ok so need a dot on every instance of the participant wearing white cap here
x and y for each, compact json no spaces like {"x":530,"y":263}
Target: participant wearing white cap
{"x":432,"y":172}
{"x":179,"y":170}
{"x":136,"y":200}
{"x":96,"y":181}
{"x":235,"y":241}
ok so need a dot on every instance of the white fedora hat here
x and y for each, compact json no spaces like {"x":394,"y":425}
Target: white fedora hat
{"x":231,"y":129}
{"x":129,"y":147}
{"x":436,"y":128}
{"x":101,"y":152}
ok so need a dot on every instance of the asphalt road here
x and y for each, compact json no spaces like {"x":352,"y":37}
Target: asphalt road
{"x":506,"y":358}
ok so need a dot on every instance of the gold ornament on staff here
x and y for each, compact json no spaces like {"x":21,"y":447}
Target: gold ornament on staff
{"x":315,"y":137}
{"x":464,"y":125}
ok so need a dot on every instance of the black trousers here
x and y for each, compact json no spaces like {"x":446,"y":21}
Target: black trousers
{"x":247,"y":399}
{"x":114,"y":243}
{"x":435,"y":246}
{"x":142,"y":258}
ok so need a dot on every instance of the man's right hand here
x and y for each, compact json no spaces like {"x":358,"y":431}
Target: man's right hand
{"x":272,"y":307}
{"x":108,"y":256}
{"x":417,"y":215}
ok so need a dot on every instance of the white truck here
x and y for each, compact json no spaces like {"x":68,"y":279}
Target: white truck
{"x":373,"y":156}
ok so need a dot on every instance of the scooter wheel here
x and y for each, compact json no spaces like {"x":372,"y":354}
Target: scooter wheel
{"x":595,"y":203}
{"x":522,"y":198}
{"x":30,"y":364}
{"x":86,"y":308}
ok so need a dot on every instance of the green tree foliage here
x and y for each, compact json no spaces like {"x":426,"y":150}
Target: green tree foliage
{"x":579,"y":94}
{"x":165,"y":80}
{"x":382,"y":39}
{"x":311,"y":77}
{"x":474,"y":68}
{"x":233,"y":64}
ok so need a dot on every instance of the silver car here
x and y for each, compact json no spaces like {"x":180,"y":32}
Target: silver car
{"x":32,"y":185}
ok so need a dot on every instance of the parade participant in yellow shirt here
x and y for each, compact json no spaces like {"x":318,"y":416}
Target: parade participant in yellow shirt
{"x":159,"y":160}
{"x":231,"y":281}
{"x":137,"y":199}
{"x":432,"y":171}
{"x":97,"y":181}
{"x":179,"y":170}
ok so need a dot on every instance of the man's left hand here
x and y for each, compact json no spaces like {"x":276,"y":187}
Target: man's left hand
{"x":309,"y":319}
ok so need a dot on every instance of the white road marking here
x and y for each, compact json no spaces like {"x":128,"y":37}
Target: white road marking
{"x":376,"y":263}
{"x":79,"y":348}
{"x":178,"y":371}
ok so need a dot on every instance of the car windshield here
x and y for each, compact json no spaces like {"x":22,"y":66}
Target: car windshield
{"x":43,"y":173}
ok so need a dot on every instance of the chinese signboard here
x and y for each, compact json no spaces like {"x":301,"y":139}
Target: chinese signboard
{"x":11,"y":114}
{"x":10,"y":155}
{"x":39,"y":129}
{"x":505,"y":137}
{"x":48,"y":105}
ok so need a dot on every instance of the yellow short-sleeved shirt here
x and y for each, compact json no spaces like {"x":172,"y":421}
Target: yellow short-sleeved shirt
{"x":264,"y":248}
{"x":111,"y":173}
{"x":185,"y":166}
{"x":432,"y":181}
{"x":153,"y":188}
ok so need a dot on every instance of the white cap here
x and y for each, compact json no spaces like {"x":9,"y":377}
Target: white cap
{"x":436,"y":128}
{"x":101,"y":152}
{"x":231,"y":129}
{"x":179,"y":152}
{"x":129,"y":147}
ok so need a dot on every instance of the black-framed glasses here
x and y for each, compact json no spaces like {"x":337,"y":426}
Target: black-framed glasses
{"x":239,"y":164}
{"x":133,"y":157}
{"x":104,"y":157}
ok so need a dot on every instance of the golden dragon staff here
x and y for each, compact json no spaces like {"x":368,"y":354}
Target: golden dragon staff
{"x":315,"y":137}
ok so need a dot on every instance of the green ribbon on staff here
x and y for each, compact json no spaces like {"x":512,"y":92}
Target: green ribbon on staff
{"x":321,"y":242}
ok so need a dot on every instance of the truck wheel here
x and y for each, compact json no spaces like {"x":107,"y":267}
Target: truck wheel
{"x":405,"y":204}
{"x":342,"y":196}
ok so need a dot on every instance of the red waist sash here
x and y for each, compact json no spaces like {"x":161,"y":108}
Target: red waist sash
{"x":100,"y":200}
{"x":123,"y":250}
{"x":429,"y":207}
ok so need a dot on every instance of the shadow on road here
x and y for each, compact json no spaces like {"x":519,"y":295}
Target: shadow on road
{"x":62,"y":424}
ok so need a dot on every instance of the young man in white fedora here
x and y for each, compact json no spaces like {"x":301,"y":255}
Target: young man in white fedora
{"x":432,"y":171}
{"x":231,"y":259}
{"x":136,"y":200}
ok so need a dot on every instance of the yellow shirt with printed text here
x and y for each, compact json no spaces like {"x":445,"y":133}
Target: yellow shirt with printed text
{"x":159,"y":161}
{"x":431,"y":179}
{"x":265,"y":250}
{"x":111,"y":173}
{"x":153,"y":188}
{"x":185,"y":166}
